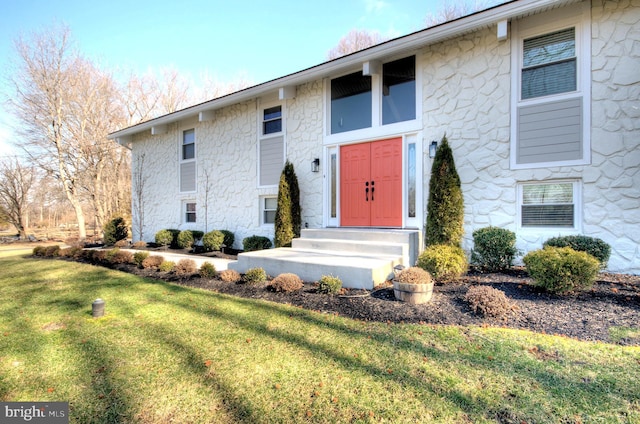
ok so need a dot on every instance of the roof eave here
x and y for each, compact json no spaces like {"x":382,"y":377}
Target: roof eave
{"x":406,"y":43}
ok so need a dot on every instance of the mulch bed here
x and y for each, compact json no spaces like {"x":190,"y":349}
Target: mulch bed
{"x":614,"y":301}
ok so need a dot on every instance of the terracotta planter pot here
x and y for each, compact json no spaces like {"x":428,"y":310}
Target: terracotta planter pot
{"x":413,"y":294}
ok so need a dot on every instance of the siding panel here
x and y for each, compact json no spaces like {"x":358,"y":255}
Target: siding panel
{"x":188,"y":176}
{"x":550,"y":132}
{"x":271,"y":160}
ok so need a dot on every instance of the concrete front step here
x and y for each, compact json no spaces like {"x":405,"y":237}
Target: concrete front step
{"x":410,"y":238}
{"x":354,"y":246}
{"x":360,"y":271}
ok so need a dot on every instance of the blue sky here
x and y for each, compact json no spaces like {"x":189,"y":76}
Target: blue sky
{"x":231,"y":39}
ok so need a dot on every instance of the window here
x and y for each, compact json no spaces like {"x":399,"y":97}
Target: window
{"x":272,"y":120}
{"x":270,"y":146}
{"x":189,"y":212}
{"x":411,"y":180}
{"x":548,"y":205}
{"x":399,"y":91}
{"x":268,"y":207}
{"x":551,"y":89}
{"x":188,"y":163}
{"x":369,"y":101}
{"x":350,"y":103}
{"x":188,"y":144}
{"x":549,"y":64}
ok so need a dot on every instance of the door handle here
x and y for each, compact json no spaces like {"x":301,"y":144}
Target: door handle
{"x":366,"y":191}
{"x":372,"y":189}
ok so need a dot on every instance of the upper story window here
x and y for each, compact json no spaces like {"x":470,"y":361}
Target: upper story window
{"x":399,"y":91}
{"x":549,"y":64}
{"x":368,"y":101}
{"x":188,"y":144}
{"x":350,"y":103}
{"x":272,"y":120}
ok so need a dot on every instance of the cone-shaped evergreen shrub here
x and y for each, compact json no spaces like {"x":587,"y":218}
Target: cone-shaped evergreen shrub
{"x":115,"y":230}
{"x":445,"y":210}
{"x":288,"y":213}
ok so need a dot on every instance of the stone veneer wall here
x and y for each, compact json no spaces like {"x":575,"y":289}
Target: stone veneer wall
{"x":467,"y":95}
{"x":226,"y":148}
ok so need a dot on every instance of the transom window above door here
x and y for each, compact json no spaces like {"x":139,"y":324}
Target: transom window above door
{"x":361,"y":101}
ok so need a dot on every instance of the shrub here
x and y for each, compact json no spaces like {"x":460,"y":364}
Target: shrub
{"x":164,"y":238}
{"x":286,"y":283}
{"x":88,"y":255}
{"x":414,"y":275}
{"x":152,"y":262}
{"x":139,"y":257}
{"x":122,"y":243}
{"x":488,"y":302}
{"x":213,"y":240}
{"x":229,"y":238}
{"x":207,"y":270}
{"x":99,"y":256}
{"x":329,"y":284}
{"x":288,"y":212}
{"x":254,"y":242}
{"x":52,"y":251}
{"x":139,"y":244}
{"x":71,"y":252}
{"x":445,"y":209}
{"x":121,"y":257}
{"x":185,"y":267}
{"x":255,"y":275}
{"x":443,"y":262}
{"x":39,"y":251}
{"x":591,"y":245}
{"x":197,"y":234}
{"x":115,"y":230}
{"x":562,"y":270}
{"x":494,"y":248}
{"x":174,"y":237}
{"x":167,"y":266}
{"x":230,"y":276}
{"x":185,"y":239}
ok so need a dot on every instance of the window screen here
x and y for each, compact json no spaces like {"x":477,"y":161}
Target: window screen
{"x":548,"y":205}
{"x":549,"y":64}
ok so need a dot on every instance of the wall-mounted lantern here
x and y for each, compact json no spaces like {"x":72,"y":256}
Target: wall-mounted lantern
{"x":315,"y":165}
{"x":432,"y":149}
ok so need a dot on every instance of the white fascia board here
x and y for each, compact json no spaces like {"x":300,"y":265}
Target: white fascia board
{"x":407,"y":43}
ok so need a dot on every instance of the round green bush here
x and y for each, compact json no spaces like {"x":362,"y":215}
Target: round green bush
{"x":207,"y":270}
{"x":213,"y":240}
{"x":255,"y":275}
{"x":591,"y":245}
{"x":185,"y":239}
{"x":329,"y":284}
{"x":443,"y":262}
{"x":229,"y":238}
{"x":138,"y":257}
{"x":167,"y":266}
{"x":562,"y":270}
{"x":164,"y":237}
{"x":252,"y":243}
{"x":494,"y":248}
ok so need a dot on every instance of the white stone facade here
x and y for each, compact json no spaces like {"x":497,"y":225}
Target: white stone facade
{"x":466,"y":92}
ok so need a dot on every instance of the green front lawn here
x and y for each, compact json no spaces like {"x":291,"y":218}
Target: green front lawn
{"x":166,"y":353}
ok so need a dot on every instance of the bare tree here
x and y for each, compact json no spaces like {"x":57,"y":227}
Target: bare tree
{"x":15,"y":183}
{"x":66,"y":107}
{"x":451,"y":10}
{"x":355,"y":40}
{"x":139,"y":180}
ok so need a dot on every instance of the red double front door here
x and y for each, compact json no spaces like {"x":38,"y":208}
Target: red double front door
{"x":371,"y":184}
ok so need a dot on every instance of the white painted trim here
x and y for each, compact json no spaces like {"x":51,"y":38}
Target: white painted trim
{"x":260,"y":120}
{"x":418,"y":220}
{"x":578,"y":16}
{"x":578,"y":217}
{"x":328,"y":221}
{"x":181,"y":161}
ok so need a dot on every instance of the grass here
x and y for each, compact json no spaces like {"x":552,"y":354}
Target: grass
{"x":165,"y":353}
